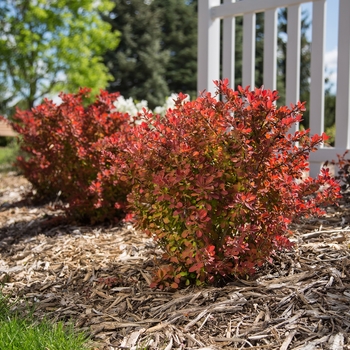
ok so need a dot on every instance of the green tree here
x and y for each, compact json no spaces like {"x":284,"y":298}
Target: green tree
{"x":138,"y":64}
{"x":49,"y":46}
{"x":305,"y":60}
{"x":259,"y":50}
{"x":329,"y":115}
{"x":179,"y":37}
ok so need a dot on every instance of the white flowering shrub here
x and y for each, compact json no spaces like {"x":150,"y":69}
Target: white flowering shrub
{"x":129,"y":106}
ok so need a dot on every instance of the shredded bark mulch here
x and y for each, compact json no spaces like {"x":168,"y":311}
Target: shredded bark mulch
{"x":98,"y":277}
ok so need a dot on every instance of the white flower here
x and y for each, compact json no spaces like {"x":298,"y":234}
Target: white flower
{"x":125,"y":106}
{"x":141,"y":105}
{"x":129,"y":106}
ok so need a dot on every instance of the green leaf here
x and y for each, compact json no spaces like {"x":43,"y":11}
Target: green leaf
{"x":59,"y":46}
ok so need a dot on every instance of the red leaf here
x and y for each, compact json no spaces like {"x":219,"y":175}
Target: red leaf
{"x":196,"y":267}
{"x":202,"y":213}
{"x":199,"y":234}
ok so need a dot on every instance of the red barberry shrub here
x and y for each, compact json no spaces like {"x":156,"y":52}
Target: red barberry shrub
{"x":217,"y":183}
{"x":62,"y":152}
{"x":342,"y":166}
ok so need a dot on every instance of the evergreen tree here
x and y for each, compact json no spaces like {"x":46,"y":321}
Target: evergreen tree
{"x":138,"y":64}
{"x":179,"y":37}
{"x":304,"y":73}
{"x":259,"y":50}
{"x":238,"y":51}
{"x":305,"y":60}
{"x":329,"y":115}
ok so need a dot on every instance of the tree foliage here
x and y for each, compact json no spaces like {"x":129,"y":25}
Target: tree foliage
{"x":48,"y":46}
{"x":157,"y":54}
{"x":61,"y":155}
{"x":259,"y":50}
{"x":305,"y":60}
{"x":138,"y":65}
{"x":179,"y":37}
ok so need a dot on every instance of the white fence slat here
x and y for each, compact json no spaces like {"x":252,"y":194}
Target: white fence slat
{"x":342,"y":118}
{"x":208,"y":47}
{"x":228,"y":58}
{"x":324,"y":154}
{"x":245,"y":6}
{"x":248,"y":61}
{"x":317,"y":77}
{"x":293,"y":57}
{"x":270,"y":49}
{"x":317,"y":68}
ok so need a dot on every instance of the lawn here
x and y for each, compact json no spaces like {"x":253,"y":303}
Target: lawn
{"x":21,"y":331}
{"x":8,"y":155}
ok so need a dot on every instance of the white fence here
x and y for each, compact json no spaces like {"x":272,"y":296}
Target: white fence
{"x":210,"y":12}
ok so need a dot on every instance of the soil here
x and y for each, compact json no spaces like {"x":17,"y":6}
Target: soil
{"x":98,"y":278}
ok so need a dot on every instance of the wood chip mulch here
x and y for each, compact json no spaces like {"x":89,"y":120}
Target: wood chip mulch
{"x":98,"y":277}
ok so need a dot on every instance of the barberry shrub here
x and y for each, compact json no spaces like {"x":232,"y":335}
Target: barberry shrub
{"x":342,"y":165}
{"x":63,"y":156}
{"x":217,"y":183}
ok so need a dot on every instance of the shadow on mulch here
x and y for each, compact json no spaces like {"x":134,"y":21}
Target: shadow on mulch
{"x":30,"y":217}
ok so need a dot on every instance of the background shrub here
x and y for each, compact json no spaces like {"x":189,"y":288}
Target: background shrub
{"x":342,"y":166}
{"x":62,"y":156}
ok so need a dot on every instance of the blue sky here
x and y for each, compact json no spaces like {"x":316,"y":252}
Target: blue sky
{"x":332,"y":12}
{"x":332,"y":9}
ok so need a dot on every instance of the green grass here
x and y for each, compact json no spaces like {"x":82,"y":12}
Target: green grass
{"x":8,"y":155}
{"x":18,"y":332}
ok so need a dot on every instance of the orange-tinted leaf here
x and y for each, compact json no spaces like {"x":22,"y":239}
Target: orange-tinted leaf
{"x":196,"y":267}
{"x":202,"y":213}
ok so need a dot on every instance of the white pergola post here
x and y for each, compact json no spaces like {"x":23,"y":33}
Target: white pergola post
{"x":228,"y":58}
{"x":208,"y":46}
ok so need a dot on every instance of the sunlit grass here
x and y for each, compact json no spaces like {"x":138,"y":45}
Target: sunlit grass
{"x":8,"y":155}
{"x":19,"y":332}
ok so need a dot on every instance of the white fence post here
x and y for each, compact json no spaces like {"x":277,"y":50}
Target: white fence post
{"x":229,"y":43}
{"x":317,"y":76}
{"x":293,"y":58}
{"x":270,"y":49}
{"x":342,"y":118}
{"x":208,"y":46}
{"x":248,"y":60}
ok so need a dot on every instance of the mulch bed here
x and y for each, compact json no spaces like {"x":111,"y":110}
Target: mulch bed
{"x":98,"y":277}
